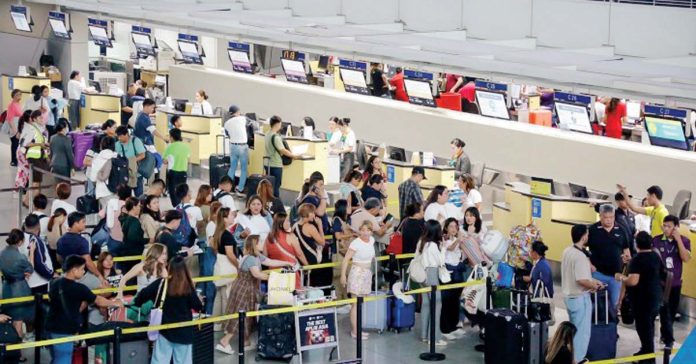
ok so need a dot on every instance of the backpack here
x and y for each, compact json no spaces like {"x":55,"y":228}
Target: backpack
{"x":185,"y":234}
{"x":286,"y":160}
{"x":220,"y":195}
{"x":521,"y":239}
{"x":119,"y":173}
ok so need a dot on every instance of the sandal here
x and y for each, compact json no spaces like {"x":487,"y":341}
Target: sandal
{"x":364,"y":335}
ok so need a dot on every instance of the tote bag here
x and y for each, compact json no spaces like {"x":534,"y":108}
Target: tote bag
{"x":223,"y":267}
{"x":156,"y":312}
{"x":280,"y":289}
{"x":474,"y":297}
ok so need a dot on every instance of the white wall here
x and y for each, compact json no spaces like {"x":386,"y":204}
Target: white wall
{"x":597,"y":162}
{"x":265,"y":4}
{"x":485,"y":19}
{"x":365,"y":11}
{"x":431,"y":15}
{"x":571,"y":24}
{"x":315,"y":8}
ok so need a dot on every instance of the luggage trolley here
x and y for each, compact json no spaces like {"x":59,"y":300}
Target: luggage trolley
{"x":316,"y":329}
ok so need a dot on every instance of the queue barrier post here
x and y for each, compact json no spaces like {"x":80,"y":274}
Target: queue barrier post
{"x":3,"y":352}
{"x":117,"y":345}
{"x":359,"y":328}
{"x":38,"y":325}
{"x":432,"y":355}
{"x":240,"y":334}
{"x":668,"y":353}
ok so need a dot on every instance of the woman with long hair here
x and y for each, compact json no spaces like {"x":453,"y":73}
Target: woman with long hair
{"x":473,"y":231}
{"x":451,"y":246}
{"x":270,"y":202}
{"x":438,"y":208}
{"x":203,"y":199}
{"x":372,"y":167}
{"x":560,"y":349}
{"x":614,"y":117}
{"x":61,"y":151}
{"x":56,"y":229}
{"x":35,"y":149}
{"x":471,"y":196}
{"x":14,"y":112}
{"x":311,"y":237}
{"x":342,"y":233}
{"x":150,"y":217}
{"x":151,"y":268}
{"x":244,"y":291}
{"x":254,"y":221}
{"x":283,"y":245}
{"x":359,"y":281}
{"x":134,"y":239}
{"x":432,"y":259}
{"x":223,"y":244}
{"x":15,"y":268}
{"x":176,"y":294}
{"x":349,"y":190}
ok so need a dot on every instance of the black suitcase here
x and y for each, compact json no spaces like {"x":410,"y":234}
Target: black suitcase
{"x":204,"y":343}
{"x":219,"y":164}
{"x":252,"y":183}
{"x":507,"y":334}
{"x":276,"y":336}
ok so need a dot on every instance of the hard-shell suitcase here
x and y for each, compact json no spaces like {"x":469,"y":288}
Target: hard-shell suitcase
{"x":81,"y":143}
{"x":203,"y":343}
{"x":276,"y":338}
{"x":374,"y":313}
{"x":136,"y":352}
{"x":252,"y":183}
{"x":507,"y":334}
{"x":402,"y":316}
{"x":603,"y":333}
{"x":219,"y":164}
{"x":538,"y":339}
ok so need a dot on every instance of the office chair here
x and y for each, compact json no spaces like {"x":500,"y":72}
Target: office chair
{"x":680,"y":207}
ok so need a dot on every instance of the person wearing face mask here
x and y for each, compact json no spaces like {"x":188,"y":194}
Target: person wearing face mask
{"x":201,"y":106}
{"x":254,"y":221}
{"x":437,"y":207}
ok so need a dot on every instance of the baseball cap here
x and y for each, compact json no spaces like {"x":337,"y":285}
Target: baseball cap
{"x":418,"y":170}
{"x":233,"y":109}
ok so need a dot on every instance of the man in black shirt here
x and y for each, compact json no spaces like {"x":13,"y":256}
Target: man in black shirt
{"x":127,"y":104}
{"x":609,"y":248}
{"x":67,"y":299}
{"x":644,"y":281}
{"x":373,"y":188}
{"x":166,"y":237}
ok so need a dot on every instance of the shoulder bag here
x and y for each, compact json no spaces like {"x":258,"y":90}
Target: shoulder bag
{"x":286,"y":160}
{"x":416,"y":270}
{"x":156,"y":312}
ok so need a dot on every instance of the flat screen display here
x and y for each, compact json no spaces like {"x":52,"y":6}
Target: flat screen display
{"x":574,"y":116}
{"x":20,"y":22}
{"x":189,"y":51}
{"x":666,"y":132}
{"x":143,"y":44}
{"x":633,"y":109}
{"x":492,"y":104}
{"x":419,"y":92}
{"x":354,"y":81}
{"x":294,"y":70}
{"x":59,"y":29}
{"x":99,"y":36}
{"x":240,"y":60}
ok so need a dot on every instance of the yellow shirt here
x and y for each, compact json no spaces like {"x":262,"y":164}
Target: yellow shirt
{"x":657,"y":216}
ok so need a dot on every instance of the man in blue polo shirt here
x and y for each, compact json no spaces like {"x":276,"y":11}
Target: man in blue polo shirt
{"x":144,"y":129}
{"x":134,"y":150}
{"x":675,"y":250}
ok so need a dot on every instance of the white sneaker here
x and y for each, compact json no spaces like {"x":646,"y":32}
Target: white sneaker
{"x":224,"y":349}
{"x":441,"y":343}
{"x":451,"y":336}
{"x":459,"y":332}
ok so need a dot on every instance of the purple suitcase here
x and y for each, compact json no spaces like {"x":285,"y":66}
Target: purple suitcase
{"x":81,"y":142}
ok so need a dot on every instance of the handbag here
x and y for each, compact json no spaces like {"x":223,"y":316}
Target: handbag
{"x":416,"y":270}
{"x":8,"y":334}
{"x":444,"y":274}
{"x":280,"y":289}
{"x":474,"y":296}
{"x":285,"y":159}
{"x":146,"y":166}
{"x":222,"y":267}
{"x":396,"y":242}
{"x":156,"y":312}
{"x":540,"y":307}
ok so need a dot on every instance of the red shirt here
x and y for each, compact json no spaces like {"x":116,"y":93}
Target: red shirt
{"x":469,"y":92}
{"x":451,"y":81}
{"x":398,"y":82}
{"x":614,"y":122}
{"x":14,"y":110}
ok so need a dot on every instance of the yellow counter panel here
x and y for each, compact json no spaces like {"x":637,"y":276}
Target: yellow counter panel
{"x":688,"y":283}
{"x":199,"y":131}
{"x":97,"y":108}
{"x":22,"y":83}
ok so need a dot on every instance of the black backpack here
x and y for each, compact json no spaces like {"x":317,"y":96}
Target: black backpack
{"x":286,"y":160}
{"x":219,"y":195}
{"x":119,"y":173}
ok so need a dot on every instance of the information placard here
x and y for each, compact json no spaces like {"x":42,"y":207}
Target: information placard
{"x":142,"y":41}
{"x":58,"y":23}
{"x":239,"y":56}
{"x":188,"y":46}
{"x":492,"y":104}
{"x":575,"y":117}
{"x":354,"y":81}
{"x":666,"y":132}
{"x":20,"y":18}
{"x":294,"y":70}
{"x":98,"y":32}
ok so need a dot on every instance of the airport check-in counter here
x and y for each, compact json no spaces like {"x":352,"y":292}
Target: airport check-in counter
{"x":97,"y":108}
{"x":22,"y":83}
{"x":687,"y":228}
{"x":397,"y":172}
{"x":315,"y":159}
{"x":200,"y":132}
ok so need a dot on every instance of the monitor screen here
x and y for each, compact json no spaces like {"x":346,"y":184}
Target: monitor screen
{"x":578,"y":190}
{"x":666,"y":132}
{"x":59,"y":29}
{"x":354,"y":81}
{"x":492,"y":104}
{"x":99,"y":36}
{"x":294,"y":70}
{"x":541,"y":186}
{"x":323,"y":62}
{"x":397,"y":154}
{"x":574,"y":116}
{"x":419,"y":92}
{"x":240,"y":60}
{"x":189,"y":51}
{"x":143,"y":44}
{"x":20,"y":22}
{"x":633,"y":109}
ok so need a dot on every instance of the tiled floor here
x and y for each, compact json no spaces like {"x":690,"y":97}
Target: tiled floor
{"x":384,"y":348}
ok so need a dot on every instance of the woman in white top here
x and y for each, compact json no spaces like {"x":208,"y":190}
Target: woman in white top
{"x":99,"y":171}
{"x":152,"y":267}
{"x":359,"y":281}
{"x":344,"y":145}
{"x":471,"y":196}
{"x":38,"y":101}
{"x":254,"y":221}
{"x":75,"y":90}
{"x":63,"y":191}
{"x":432,"y":259}
{"x":112,"y":211}
{"x":473,"y":231}
{"x":451,"y":247}
{"x":201,"y":106}
{"x":437,"y":207}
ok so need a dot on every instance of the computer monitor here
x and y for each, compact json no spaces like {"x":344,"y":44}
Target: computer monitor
{"x":180,"y":104}
{"x":296,"y":131}
{"x":96,"y":85}
{"x":354,"y":81}
{"x":143,"y":44}
{"x":397,"y":154}
{"x":58,"y":27}
{"x":578,"y":190}
{"x":575,"y":117}
{"x":323,"y":63}
{"x":419,"y":92}
{"x":633,"y":109}
{"x":189,"y":52}
{"x":294,"y":70}
{"x":99,"y":36}
{"x":492,"y":104}
{"x":20,"y":20}
{"x":542,"y":186}
{"x":664,"y":132}
{"x":251,"y":116}
{"x":240,"y":60}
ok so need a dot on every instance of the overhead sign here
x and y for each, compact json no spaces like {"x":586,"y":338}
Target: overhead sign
{"x":354,"y":65}
{"x":98,"y":31}
{"x":418,"y":75}
{"x":20,"y":17}
{"x":188,"y":37}
{"x":572,"y":98}
{"x":293,"y":55}
{"x":139,"y":29}
{"x":665,"y":111}
{"x":500,"y":87}
{"x":98,"y":22}
{"x":59,"y":24}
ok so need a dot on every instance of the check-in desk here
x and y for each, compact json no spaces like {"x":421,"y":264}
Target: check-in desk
{"x":316,"y":159}
{"x":397,"y":172}
{"x":22,"y":83}
{"x":558,"y":215}
{"x":200,"y":132}
{"x":688,"y":229}
{"x":97,"y":108}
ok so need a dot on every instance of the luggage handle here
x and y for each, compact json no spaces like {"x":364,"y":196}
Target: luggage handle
{"x":217,"y":137}
{"x":606,"y":308}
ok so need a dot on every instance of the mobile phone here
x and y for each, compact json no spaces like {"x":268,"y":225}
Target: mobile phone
{"x":388,"y":217}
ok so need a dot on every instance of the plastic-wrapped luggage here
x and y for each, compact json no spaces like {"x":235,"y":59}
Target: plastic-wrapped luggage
{"x":82,"y":141}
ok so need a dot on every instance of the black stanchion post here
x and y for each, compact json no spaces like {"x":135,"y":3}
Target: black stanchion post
{"x":242,"y":318}
{"x":117,"y":345}
{"x":668,"y":353}
{"x":38,"y":325}
{"x":3,"y":352}
{"x":489,"y":291}
{"x":358,"y":329}
{"x":432,"y":355}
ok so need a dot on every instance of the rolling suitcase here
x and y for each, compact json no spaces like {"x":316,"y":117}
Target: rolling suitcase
{"x":136,"y":352}
{"x":203,"y":343}
{"x":538,"y":339}
{"x":374,"y":314}
{"x":252,"y":183}
{"x":276,"y":339}
{"x":81,"y":143}
{"x":506,"y":337}
{"x":219,"y":164}
{"x":402,"y":315}
{"x":603,"y":334}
